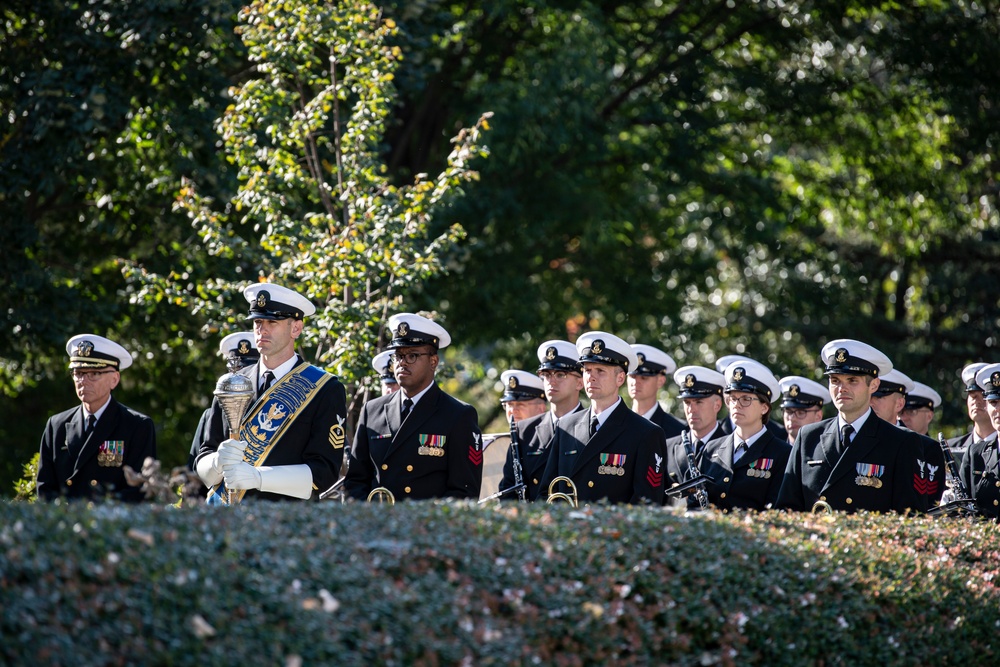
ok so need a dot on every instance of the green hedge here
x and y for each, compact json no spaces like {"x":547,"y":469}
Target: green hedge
{"x":446,"y":584}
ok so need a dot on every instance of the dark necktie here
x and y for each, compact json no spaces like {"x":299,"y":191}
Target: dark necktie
{"x":268,"y":381}
{"x":407,"y":406}
{"x":594,"y":423}
{"x":698,"y":446}
{"x":91,"y":423}
{"x":845,"y":439}
{"x":741,"y":448}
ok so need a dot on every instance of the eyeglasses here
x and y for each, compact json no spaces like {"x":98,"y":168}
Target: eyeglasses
{"x":409,"y":357}
{"x":81,"y":376}
{"x":743,"y":401}
{"x":798,"y":413}
{"x":554,"y":375}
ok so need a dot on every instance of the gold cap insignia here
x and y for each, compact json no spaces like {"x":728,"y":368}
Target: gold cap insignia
{"x":403,"y":329}
{"x":550,"y":353}
{"x":995,"y":379}
{"x":738,"y":373}
{"x":793,"y":391}
{"x":262,"y":297}
{"x":83,"y":348}
{"x":840,"y":356}
{"x":512,"y":382}
{"x":243,"y":347}
{"x":597,"y":347}
{"x":641,"y":357}
{"x":689,"y":380}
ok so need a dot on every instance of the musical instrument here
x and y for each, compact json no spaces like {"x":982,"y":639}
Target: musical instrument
{"x":963,"y":502}
{"x":337,"y":488}
{"x":822,"y":507}
{"x":699,"y":493}
{"x":382,"y":495}
{"x":572,"y":498}
{"x":696,"y":479}
{"x":515,"y":447}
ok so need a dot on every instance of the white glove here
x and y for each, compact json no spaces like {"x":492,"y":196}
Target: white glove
{"x":231,"y":451}
{"x":295,"y":480}
{"x":241,"y":475}
{"x":209,"y":469}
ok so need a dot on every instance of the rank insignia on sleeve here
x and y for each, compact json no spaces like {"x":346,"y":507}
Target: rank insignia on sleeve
{"x":476,"y":451}
{"x":337,"y":436}
{"x":924,"y":481}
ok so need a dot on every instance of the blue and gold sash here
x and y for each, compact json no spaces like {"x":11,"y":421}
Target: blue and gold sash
{"x":267,"y":420}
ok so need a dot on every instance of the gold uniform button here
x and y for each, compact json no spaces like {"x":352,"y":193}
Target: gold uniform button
{"x":996,"y":502}
{"x":406,"y":489}
{"x":590,"y":484}
{"x":725,"y":479}
{"x":534,"y":481}
{"x":385,"y":467}
{"x":849,"y":501}
{"x":69,"y":482}
{"x":722,"y":495}
{"x":93,"y":482}
{"x":409,"y":468}
{"x":998,"y":485}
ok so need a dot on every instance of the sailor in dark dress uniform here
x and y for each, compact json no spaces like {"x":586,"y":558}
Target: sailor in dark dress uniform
{"x":980,"y":468}
{"x":608,"y":452}
{"x":701,"y":394}
{"x":747,"y":465}
{"x":854,"y":461}
{"x":84,"y":449}
{"x":644,"y":383}
{"x":562,"y":380}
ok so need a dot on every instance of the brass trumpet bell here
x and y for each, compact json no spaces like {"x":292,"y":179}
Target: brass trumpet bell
{"x":822,"y":507}
{"x":381,"y":494}
{"x":554,"y":496}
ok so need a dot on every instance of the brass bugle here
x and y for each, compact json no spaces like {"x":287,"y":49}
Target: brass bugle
{"x":382,"y":495}
{"x":822,"y":507}
{"x":572,"y":498}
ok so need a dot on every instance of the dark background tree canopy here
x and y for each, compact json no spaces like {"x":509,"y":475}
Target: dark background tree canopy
{"x":758,"y":178}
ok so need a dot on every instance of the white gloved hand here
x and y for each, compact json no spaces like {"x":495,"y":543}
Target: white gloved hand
{"x":231,"y":451}
{"x":291,"y":480}
{"x":209,"y":469}
{"x":241,"y":475}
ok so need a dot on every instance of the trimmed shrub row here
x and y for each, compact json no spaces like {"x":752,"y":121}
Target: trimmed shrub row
{"x":447,"y":583}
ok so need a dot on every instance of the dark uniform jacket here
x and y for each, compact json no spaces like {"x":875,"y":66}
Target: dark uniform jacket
{"x":535,"y":435}
{"x":436,"y":452}
{"x":677,"y":464}
{"x":981,"y":473}
{"x":753,"y":481}
{"x":315,"y":436}
{"x":774,"y":427}
{"x":672,"y":426}
{"x":855,"y":481}
{"x":622,"y":463}
{"x":70,"y":464}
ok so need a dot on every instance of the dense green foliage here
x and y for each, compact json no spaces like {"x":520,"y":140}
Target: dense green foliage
{"x":430,"y":583}
{"x":714,"y":177}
